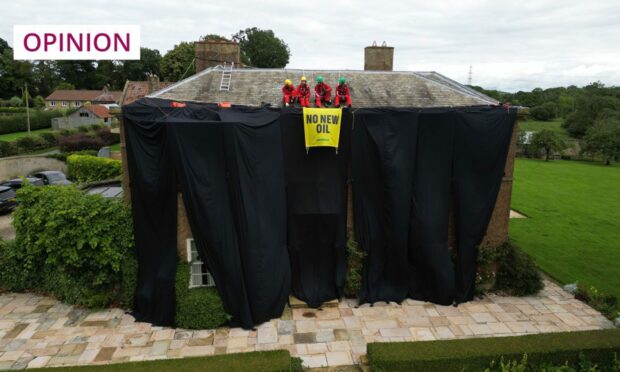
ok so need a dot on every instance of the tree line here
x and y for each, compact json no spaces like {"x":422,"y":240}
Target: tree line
{"x":259,"y":48}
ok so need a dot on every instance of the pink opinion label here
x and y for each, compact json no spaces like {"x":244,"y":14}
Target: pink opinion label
{"x":119,"y":42}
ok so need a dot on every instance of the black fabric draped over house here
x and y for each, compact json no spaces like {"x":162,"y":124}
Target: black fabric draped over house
{"x":269,"y":218}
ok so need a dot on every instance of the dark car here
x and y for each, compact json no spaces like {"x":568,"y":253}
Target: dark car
{"x":52,"y":177}
{"x":7,"y":199}
{"x":17,"y":183}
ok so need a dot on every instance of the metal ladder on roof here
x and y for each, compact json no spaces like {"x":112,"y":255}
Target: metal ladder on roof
{"x":226,"y":77}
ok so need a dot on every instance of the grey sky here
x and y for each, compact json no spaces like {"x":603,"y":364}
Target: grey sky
{"x":511,"y":46}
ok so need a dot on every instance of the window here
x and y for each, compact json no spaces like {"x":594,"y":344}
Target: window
{"x":198,"y":274}
{"x":52,"y":103}
{"x":77,"y":103}
{"x":65,"y":103}
{"x":83,"y":114}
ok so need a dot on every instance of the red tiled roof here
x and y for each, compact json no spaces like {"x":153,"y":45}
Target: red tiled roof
{"x":99,"y":110}
{"x":84,"y":95}
{"x":134,"y":90}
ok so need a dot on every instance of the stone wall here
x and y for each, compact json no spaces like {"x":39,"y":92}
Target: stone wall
{"x":213,"y":53}
{"x":17,"y":166}
{"x":379,"y":58}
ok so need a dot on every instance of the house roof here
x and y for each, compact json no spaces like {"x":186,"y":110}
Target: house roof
{"x":135,"y":90}
{"x":84,"y":95}
{"x":254,"y":87}
{"x":100,"y":111}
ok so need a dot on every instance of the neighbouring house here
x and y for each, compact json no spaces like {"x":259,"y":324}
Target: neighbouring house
{"x":73,"y":98}
{"x":135,"y":90}
{"x":218,"y":79}
{"x":85,"y":115}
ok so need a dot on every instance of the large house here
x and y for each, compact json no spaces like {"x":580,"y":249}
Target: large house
{"x":73,"y":98}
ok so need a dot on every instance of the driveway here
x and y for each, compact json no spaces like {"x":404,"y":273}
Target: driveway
{"x":7,"y":232}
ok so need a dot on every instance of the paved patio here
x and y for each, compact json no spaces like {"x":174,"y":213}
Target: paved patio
{"x":38,"y":331}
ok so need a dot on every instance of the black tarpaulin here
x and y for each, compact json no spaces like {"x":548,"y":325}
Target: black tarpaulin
{"x":408,"y":165}
{"x":316,"y":187}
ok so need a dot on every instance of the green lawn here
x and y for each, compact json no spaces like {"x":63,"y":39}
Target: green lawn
{"x":573,"y":229}
{"x":16,"y":135}
{"x":115,"y":147}
{"x":536,"y":125}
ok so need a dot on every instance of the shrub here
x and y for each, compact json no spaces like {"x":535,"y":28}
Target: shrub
{"x":86,"y":168}
{"x":197,"y":308}
{"x":608,"y":305}
{"x":107,"y":136}
{"x":355,"y":258}
{"x":31,"y":143}
{"x":7,"y":149}
{"x":18,"y":122}
{"x":62,"y":156}
{"x":68,"y":132}
{"x":517,"y":274}
{"x":68,"y":244}
{"x":50,"y":138}
{"x":96,"y":127}
{"x":129,"y":281}
{"x":84,"y":129}
{"x":78,"y":142}
{"x":476,"y":354}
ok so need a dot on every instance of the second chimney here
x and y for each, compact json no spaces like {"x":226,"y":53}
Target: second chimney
{"x":379,"y":58}
{"x":212,"y":53}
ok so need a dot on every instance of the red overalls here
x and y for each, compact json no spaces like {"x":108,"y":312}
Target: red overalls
{"x":289,"y":93}
{"x":323,"y":93}
{"x":303,"y":92}
{"x":342,"y":94}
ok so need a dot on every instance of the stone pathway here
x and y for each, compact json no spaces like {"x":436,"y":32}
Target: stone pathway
{"x":37,"y":331}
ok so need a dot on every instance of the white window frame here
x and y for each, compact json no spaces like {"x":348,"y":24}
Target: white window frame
{"x":196,"y":279}
{"x":77,"y":103}
{"x":52,"y":103}
{"x":65,"y":103}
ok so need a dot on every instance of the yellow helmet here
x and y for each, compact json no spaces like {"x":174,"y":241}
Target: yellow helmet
{"x":287,"y":82}
{"x":303,"y":78}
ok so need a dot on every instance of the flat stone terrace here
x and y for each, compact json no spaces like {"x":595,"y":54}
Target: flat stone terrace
{"x":38,"y":331}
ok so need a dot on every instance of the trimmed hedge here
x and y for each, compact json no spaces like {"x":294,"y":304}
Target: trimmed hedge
{"x":86,"y":168}
{"x":79,"y":142}
{"x":256,"y":361}
{"x":475,"y":354}
{"x":8,"y":149}
{"x":197,"y":308}
{"x":19,"y":122}
{"x":68,"y":244}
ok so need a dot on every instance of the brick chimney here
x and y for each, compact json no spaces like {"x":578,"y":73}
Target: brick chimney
{"x":379,"y":58}
{"x":153,"y":83}
{"x":212,"y":53}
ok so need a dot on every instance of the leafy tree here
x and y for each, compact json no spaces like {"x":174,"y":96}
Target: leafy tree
{"x":39,"y":102}
{"x":13,"y":74}
{"x":544,"y":112}
{"x":149,"y":63}
{"x":549,"y":141}
{"x":603,"y":137}
{"x":81,"y":74}
{"x":63,"y":85}
{"x":16,"y":102}
{"x":261,"y":48}
{"x":178,"y":62}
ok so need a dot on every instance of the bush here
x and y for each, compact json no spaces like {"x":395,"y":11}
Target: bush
{"x":85,"y":168}
{"x":68,"y":132}
{"x":7,"y":149}
{"x":83,"y":129}
{"x":62,"y":156}
{"x":197,"y":308}
{"x":476,"y":354}
{"x":50,"y":138}
{"x":355,"y":258}
{"x":96,"y":127}
{"x":107,"y":136}
{"x":18,"y":122}
{"x":517,"y":274}
{"x":129,"y":281}
{"x":31,"y":143}
{"x":68,"y":244}
{"x":78,"y":142}
{"x":608,"y":305}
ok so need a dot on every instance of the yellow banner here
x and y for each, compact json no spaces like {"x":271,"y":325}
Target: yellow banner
{"x":322,"y":126}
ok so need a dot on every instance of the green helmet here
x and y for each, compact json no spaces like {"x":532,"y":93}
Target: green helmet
{"x":341,"y":80}
{"x":319,"y":79}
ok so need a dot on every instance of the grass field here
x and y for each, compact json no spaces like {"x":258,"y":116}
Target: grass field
{"x":573,"y":229}
{"x":16,"y":135}
{"x":536,"y":125}
{"x":115,"y":147}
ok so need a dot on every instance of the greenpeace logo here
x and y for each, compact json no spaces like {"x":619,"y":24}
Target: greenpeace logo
{"x":71,"y":42}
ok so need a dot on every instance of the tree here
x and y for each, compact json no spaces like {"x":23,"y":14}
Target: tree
{"x":213,"y":37}
{"x":39,"y":102}
{"x":544,"y":112}
{"x":603,"y":138}
{"x":549,"y":141}
{"x":178,"y":62}
{"x":261,"y":48}
{"x":149,"y":63}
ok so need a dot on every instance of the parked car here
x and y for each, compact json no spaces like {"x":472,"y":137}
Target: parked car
{"x":17,"y":183}
{"x":106,"y":189}
{"x":7,"y":199}
{"x":52,"y":177}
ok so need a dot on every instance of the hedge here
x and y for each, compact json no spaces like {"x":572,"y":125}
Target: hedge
{"x":197,"y":308}
{"x":475,"y":354}
{"x":86,"y":168}
{"x":8,"y":148}
{"x":68,"y":244}
{"x":79,"y":142}
{"x":257,"y":361}
{"x":19,"y":122}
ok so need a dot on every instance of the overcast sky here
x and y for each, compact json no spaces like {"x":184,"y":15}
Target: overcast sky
{"x":516,"y":45}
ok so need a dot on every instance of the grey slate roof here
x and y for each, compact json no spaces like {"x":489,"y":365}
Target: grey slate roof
{"x":253,"y":87}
